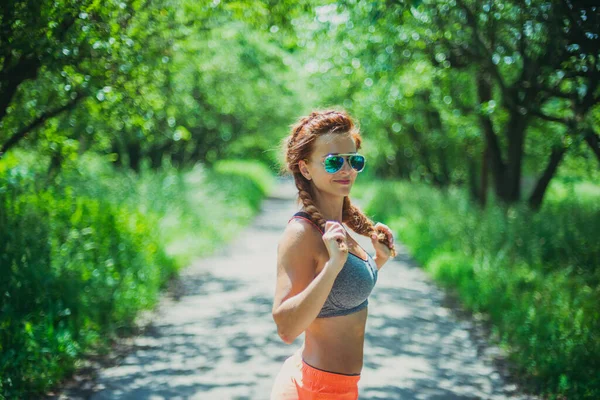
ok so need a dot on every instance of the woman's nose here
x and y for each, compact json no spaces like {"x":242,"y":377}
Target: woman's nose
{"x":346,"y":166}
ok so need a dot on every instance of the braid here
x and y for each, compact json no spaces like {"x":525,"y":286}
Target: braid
{"x":299,"y":146}
{"x":305,"y":196}
{"x":361,"y":224}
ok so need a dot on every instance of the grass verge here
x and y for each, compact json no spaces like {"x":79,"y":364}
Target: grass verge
{"x":535,"y":275}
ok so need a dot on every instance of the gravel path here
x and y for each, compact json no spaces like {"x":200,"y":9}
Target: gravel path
{"x":217,"y":340}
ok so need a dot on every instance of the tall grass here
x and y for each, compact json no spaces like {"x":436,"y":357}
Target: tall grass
{"x":535,"y":275}
{"x":79,"y":258}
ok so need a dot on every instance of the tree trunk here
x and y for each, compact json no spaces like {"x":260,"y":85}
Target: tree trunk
{"x":593,"y":141}
{"x":134,"y":152}
{"x":116,"y":149}
{"x":537,"y":196}
{"x":484,"y":177}
{"x":444,"y":168}
{"x":55,"y":165}
{"x":473,"y":189}
{"x":498,"y":168}
{"x":424,"y":155}
{"x":516,"y":139}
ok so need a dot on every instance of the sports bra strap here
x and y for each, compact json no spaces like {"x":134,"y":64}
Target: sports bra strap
{"x":306,"y":216}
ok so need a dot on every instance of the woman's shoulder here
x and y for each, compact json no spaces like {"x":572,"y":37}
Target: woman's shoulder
{"x":301,"y":234}
{"x":302,"y":215}
{"x":299,"y":225}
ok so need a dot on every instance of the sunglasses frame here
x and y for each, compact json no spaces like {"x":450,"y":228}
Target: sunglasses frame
{"x":346,"y":158}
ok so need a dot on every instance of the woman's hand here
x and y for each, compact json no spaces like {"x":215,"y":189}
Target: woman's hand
{"x":382,"y":251}
{"x":336,"y":243}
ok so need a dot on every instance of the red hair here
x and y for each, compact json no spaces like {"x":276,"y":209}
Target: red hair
{"x":299,"y":145}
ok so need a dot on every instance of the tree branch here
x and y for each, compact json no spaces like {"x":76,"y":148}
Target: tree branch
{"x":535,"y":200}
{"x":15,"y":138}
{"x":522,"y":45}
{"x":471,"y":19}
{"x":550,"y":118}
{"x":555,"y":92}
{"x":593,"y":140}
{"x":591,"y":97}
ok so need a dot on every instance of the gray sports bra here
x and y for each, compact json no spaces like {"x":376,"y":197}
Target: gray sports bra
{"x":352,"y":286}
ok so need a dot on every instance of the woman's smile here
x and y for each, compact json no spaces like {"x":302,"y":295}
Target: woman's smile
{"x":343,"y":181}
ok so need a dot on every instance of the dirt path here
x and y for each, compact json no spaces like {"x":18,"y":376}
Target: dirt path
{"x":218,"y":341}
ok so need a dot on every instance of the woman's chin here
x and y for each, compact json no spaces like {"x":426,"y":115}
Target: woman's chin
{"x":345,"y":190}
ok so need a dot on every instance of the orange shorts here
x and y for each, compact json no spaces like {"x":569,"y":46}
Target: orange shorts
{"x":299,"y":381}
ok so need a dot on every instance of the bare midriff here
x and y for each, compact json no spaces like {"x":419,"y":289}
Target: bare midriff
{"x":335,"y":344}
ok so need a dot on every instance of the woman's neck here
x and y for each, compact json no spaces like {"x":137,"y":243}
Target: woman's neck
{"x":329,"y":206}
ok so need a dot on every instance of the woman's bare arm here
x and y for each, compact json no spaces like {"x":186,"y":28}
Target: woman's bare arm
{"x":299,"y":294}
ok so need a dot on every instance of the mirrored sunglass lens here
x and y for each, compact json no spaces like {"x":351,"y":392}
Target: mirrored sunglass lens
{"x":333,"y":164}
{"x":357,"y":162}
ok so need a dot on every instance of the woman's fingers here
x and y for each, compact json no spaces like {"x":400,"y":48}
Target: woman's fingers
{"x":335,"y":231}
{"x":333,"y":225}
{"x":386,"y":230}
{"x":335,"y":240}
{"x":338,"y":237}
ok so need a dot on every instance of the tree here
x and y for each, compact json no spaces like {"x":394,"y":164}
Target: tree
{"x":105,"y":77}
{"x":503,"y":72}
{"x":522,"y":57}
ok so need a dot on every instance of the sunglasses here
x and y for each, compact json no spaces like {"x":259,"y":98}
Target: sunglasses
{"x":334,"y":162}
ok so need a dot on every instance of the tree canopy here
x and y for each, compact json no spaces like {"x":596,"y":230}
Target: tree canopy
{"x":493,"y":94}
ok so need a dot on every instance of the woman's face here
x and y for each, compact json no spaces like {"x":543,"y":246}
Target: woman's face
{"x":340,"y":182}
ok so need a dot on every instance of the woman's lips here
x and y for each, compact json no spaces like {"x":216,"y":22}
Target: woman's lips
{"x":347,"y":182}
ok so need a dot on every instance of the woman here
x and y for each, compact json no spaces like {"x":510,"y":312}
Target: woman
{"x":323,"y":276}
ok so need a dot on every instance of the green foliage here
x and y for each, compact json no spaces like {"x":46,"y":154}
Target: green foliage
{"x":73,"y":267}
{"x":253,"y":171}
{"x":536,"y":275}
{"x":435,"y":83}
{"x":177,"y":92}
{"x":154,"y":80}
{"x":81,"y":258}
{"x":217,"y":203}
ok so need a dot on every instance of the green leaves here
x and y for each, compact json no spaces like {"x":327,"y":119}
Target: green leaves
{"x":151,"y":71}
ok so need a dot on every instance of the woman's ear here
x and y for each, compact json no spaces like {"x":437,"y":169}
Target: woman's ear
{"x":304,"y":169}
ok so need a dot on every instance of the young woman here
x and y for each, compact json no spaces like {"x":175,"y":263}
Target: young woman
{"x":323,"y":276}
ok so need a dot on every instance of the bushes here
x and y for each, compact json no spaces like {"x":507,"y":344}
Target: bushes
{"x":71,"y":266}
{"x":536,"y":275}
{"x":80,"y":259}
